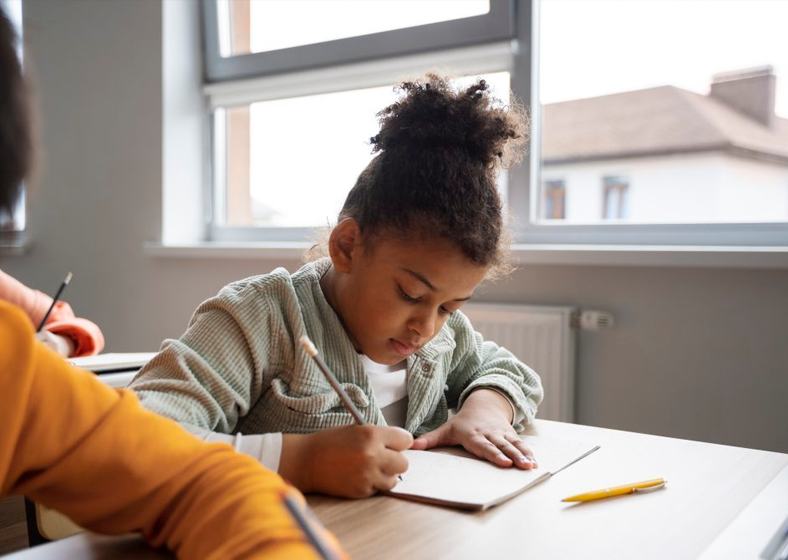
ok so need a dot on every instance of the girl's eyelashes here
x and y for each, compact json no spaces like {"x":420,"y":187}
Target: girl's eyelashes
{"x":410,"y":299}
{"x":407,"y":297}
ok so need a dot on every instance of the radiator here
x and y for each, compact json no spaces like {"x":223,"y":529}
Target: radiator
{"x":543,"y":338}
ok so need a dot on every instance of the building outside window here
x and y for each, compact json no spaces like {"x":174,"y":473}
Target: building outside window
{"x":700,"y":121}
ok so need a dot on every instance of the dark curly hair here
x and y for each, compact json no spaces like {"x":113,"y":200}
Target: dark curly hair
{"x":439,"y":151}
{"x":16,"y":143}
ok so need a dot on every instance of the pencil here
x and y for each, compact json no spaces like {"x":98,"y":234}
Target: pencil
{"x":306,"y":526}
{"x":54,"y":301}
{"x":332,"y":380}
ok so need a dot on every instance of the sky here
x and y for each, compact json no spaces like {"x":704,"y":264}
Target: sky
{"x":598,"y":47}
{"x":280,"y":24}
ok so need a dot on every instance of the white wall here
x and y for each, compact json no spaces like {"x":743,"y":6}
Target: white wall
{"x":703,"y":186}
{"x":765,"y":187}
{"x":697,"y":353}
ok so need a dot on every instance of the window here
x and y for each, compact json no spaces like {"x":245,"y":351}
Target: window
{"x":287,"y":147}
{"x":13,"y":225}
{"x":252,"y":38}
{"x":554,"y":202}
{"x":615,"y":198}
{"x":699,"y":120}
{"x":264,"y":26}
{"x":308,"y":152}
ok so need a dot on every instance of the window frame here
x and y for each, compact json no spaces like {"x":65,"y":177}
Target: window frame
{"x":496,"y":25}
{"x":242,"y":81}
{"x":246,"y":78}
{"x":489,"y":58}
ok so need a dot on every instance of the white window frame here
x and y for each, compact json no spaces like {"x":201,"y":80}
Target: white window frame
{"x":496,"y":25}
{"x":510,"y":43}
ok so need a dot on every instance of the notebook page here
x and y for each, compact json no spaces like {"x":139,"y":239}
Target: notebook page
{"x":451,"y":476}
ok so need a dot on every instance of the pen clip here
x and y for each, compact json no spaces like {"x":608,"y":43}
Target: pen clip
{"x":650,"y":488}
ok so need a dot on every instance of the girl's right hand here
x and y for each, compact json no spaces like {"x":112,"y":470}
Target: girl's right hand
{"x":349,"y":461}
{"x":60,"y":344}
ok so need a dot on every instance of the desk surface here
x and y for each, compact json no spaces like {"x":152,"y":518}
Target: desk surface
{"x":708,"y":485}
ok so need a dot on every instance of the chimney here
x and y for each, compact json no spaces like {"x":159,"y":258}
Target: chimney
{"x":749,"y":91}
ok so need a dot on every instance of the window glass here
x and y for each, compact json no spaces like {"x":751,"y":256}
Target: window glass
{"x":291,"y":162}
{"x":689,"y":98}
{"x":252,"y":26}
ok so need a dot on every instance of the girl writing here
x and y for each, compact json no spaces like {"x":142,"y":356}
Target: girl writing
{"x":419,"y":231}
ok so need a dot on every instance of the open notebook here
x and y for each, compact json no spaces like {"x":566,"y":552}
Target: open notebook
{"x":453,"y":477}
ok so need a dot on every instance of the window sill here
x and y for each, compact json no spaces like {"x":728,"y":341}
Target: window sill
{"x":688,"y":256}
{"x":235,"y":250}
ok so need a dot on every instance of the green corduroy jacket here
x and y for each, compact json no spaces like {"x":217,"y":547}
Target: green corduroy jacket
{"x":239,"y":366}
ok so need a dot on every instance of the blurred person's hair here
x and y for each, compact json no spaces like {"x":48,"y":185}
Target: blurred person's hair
{"x":16,"y":144}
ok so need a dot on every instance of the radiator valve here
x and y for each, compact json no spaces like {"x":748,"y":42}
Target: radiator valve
{"x":592,"y":320}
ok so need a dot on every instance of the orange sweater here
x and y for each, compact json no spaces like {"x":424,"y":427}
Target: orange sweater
{"x":87,"y":337}
{"x":93,"y":453}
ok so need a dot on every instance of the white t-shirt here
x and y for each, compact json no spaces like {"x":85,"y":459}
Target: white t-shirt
{"x":390,"y":386}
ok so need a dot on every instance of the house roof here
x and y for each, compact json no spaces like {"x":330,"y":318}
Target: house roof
{"x":661,"y":120}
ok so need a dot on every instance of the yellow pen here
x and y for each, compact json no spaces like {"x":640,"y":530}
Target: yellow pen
{"x":645,"y":486}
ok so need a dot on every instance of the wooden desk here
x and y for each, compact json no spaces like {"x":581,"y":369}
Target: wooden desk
{"x":708,"y":485}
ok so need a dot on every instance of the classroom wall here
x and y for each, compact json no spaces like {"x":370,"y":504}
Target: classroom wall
{"x":696,"y":353}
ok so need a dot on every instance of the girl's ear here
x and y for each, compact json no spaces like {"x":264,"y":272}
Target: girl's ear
{"x":344,"y":245}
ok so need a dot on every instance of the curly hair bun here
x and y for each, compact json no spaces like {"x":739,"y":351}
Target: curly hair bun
{"x":435,"y":173}
{"x":434,"y":115}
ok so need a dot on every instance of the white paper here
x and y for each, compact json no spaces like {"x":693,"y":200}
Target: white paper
{"x":451,"y":476}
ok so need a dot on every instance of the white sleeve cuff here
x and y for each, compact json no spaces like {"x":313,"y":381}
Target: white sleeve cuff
{"x":265,"y":448}
{"x":517,"y":416}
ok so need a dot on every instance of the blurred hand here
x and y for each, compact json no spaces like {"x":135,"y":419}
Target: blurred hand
{"x":349,"y":461}
{"x":60,"y":344}
{"x":483,"y":427}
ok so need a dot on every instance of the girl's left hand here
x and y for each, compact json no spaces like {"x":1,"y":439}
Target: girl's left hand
{"x":483,"y":427}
